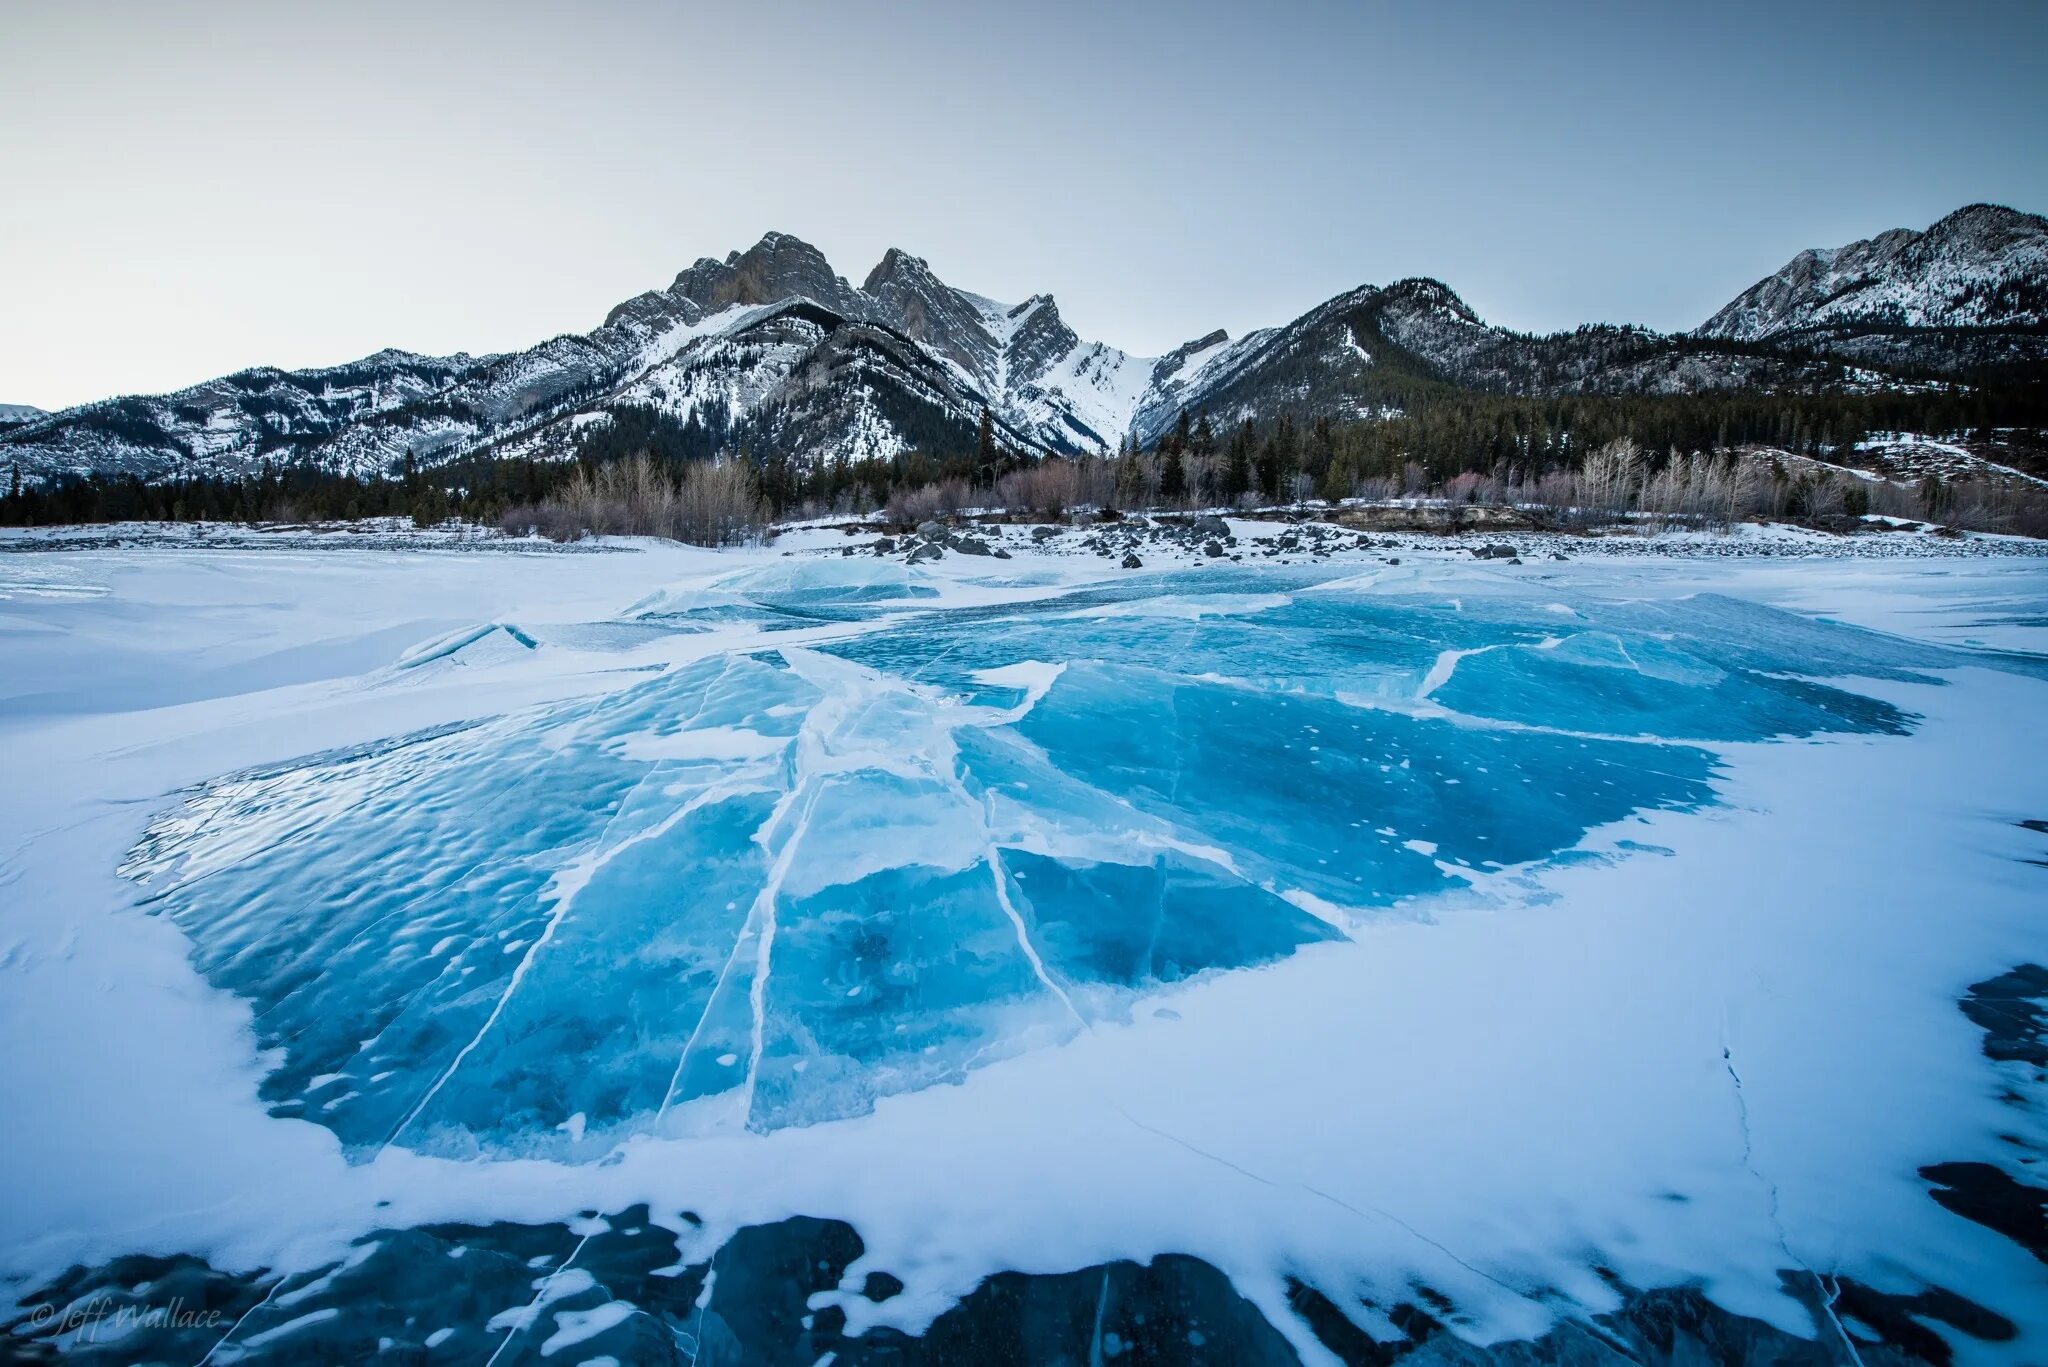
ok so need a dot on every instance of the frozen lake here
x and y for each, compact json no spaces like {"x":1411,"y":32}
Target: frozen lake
{"x":1535,"y":936}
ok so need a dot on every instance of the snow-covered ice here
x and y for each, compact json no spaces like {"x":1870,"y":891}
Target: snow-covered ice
{"x":1518,"y":935}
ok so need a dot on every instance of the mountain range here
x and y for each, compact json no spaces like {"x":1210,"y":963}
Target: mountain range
{"x":771,"y":350}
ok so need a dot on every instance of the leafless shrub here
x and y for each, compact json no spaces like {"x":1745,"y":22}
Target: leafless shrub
{"x":1045,"y":490}
{"x":908,"y":507}
{"x":716,"y":504}
{"x":1982,"y":506}
{"x":1607,"y":481}
{"x":720,"y":505}
{"x":1463,"y":488}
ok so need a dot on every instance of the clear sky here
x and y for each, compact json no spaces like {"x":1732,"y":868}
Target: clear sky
{"x":189,"y":189}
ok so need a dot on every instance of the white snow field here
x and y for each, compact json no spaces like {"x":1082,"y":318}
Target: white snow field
{"x":1507,"y":940}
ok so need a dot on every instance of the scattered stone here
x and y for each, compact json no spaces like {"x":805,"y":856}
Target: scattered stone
{"x":1131,"y":561}
{"x":929,"y":551}
{"x":881,"y":1286}
{"x":1212,"y":549}
{"x":1210,"y":525}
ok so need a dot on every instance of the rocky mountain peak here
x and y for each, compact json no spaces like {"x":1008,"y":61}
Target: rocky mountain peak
{"x":1988,"y":226}
{"x":924,"y":308}
{"x":1979,"y":267}
{"x":1169,"y":365}
{"x":1039,"y":338}
{"x":898,"y":269}
{"x":1419,"y":292}
{"x":777,"y":268}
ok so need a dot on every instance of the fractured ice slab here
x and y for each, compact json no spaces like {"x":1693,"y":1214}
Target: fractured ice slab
{"x":769,"y":889}
{"x":794,"y":594}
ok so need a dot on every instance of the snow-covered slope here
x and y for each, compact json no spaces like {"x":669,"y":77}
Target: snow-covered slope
{"x":236,"y":422}
{"x":19,"y":412}
{"x":1058,"y":391}
{"x":1982,"y":268}
{"x":1372,"y":351}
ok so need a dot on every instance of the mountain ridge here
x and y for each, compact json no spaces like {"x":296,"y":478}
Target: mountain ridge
{"x":771,"y":349}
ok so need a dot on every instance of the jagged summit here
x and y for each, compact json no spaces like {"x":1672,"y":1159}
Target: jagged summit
{"x":1421,"y":291}
{"x":896,"y":266}
{"x":903,"y":290}
{"x":777,"y":268}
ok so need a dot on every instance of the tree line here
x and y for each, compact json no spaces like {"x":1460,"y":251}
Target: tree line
{"x":1197,"y":461}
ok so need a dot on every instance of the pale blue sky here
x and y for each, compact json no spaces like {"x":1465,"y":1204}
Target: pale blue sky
{"x":191,"y":189}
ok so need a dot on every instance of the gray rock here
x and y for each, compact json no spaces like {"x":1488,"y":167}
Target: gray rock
{"x":1131,"y":561}
{"x":1212,"y":549}
{"x":968,"y":545}
{"x":931,"y":531}
{"x":929,"y":551}
{"x":1210,"y":525}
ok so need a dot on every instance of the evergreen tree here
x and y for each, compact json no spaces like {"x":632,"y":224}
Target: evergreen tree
{"x":1237,"y":463}
{"x":1173,"y":479}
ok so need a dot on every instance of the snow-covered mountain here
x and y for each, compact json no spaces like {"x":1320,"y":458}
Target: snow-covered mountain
{"x":773,"y":351}
{"x":769,"y":342}
{"x":19,"y":412}
{"x":1373,"y":351}
{"x":1970,"y":291}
